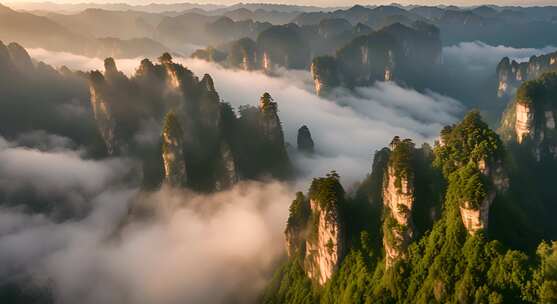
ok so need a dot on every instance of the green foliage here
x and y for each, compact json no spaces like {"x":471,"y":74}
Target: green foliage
{"x":468,"y":185}
{"x":445,"y":264}
{"x":267,"y":104}
{"x":290,"y":285}
{"x":327,"y":191}
{"x":469,"y":141}
{"x":546,"y":275}
{"x":165,"y":58}
{"x":538,"y":92}
{"x":401,"y":160}
{"x":299,"y":212}
{"x":391,"y":230}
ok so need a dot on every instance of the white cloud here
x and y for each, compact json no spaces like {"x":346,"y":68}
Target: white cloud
{"x":484,"y":57}
{"x":196,"y":249}
{"x":199,"y":249}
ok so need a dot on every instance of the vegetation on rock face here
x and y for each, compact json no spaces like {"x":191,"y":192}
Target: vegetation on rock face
{"x":327,"y":191}
{"x":468,"y":184}
{"x":468,"y":142}
{"x":173,"y":151}
{"x":401,"y":160}
{"x":299,"y":212}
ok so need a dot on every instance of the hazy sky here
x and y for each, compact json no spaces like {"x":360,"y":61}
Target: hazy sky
{"x":318,"y":2}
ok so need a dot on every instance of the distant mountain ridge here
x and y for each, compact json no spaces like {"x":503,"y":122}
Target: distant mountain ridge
{"x":37,"y":31}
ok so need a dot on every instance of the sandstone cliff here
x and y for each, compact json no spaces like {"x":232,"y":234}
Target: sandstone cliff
{"x":325,"y":248}
{"x":228,"y":174}
{"x":398,"y":199}
{"x":326,"y":243}
{"x":530,"y":119}
{"x":173,"y":152}
{"x":325,"y":74}
{"x":270,"y":122}
{"x":394,"y":53}
{"x":511,"y":74}
{"x":103,"y":111}
{"x":316,"y":229}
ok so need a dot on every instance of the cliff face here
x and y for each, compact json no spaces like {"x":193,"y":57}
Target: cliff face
{"x":326,"y":247}
{"x":297,"y":226}
{"x":283,"y":46}
{"x":476,"y":218}
{"x":243,"y":54}
{"x":275,"y":46}
{"x":475,"y":214}
{"x":398,"y":199}
{"x":511,"y":74}
{"x":103,"y":111}
{"x":173,"y":152}
{"x":325,"y":74}
{"x":228,"y":174}
{"x":270,"y":122}
{"x":326,"y":243}
{"x":530,"y":119}
{"x":524,"y":124}
{"x":316,"y":229}
{"x":394,"y":53}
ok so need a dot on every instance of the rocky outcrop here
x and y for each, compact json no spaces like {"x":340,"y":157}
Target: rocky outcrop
{"x":297,"y":226}
{"x":511,"y":74}
{"x":524,"y":125}
{"x":283,"y":46}
{"x":112,"y":107}
{"x":475,"y":214}
{"x":474,"y":177}
{"x":477,"y":218}
{"x":103,"y":111}
{"x":326,"y":243}
{"x":530,"y":119}
{"x":276,"y":46}
{"x":304,"y":140}
{"x":326,"y":249}
{"x":394,"y":53}
{"x":315,"y":230}
{"x":398,"y":199}
{"x":172,"y":75}
{"x":209,"y":103}
{"x":325,"y":74}
{"x":243,"y":54}
{"x":270,"y":124}
{"x":173,"y":152}
{"x":228,"y":175}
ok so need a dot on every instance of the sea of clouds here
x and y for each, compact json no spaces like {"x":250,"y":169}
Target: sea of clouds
{"x":217,"y":248}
